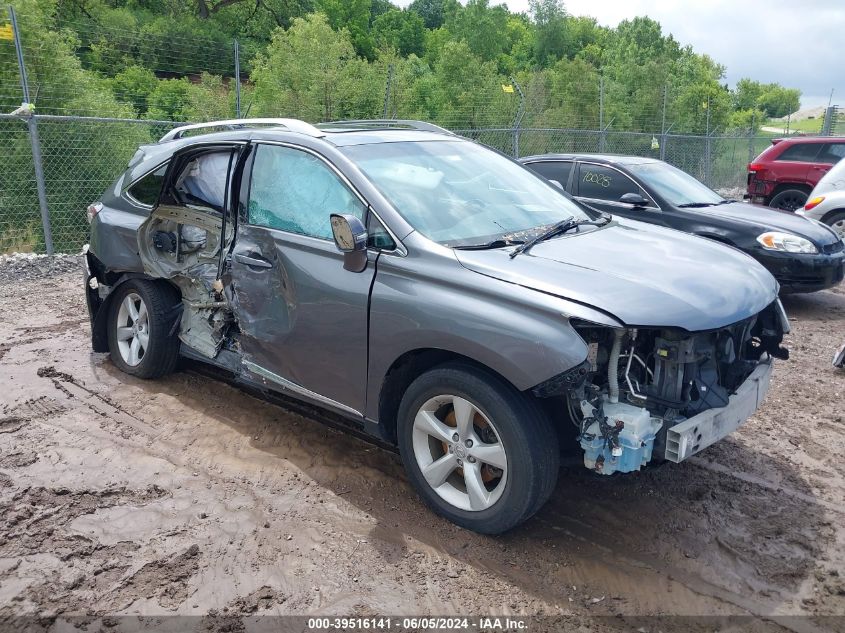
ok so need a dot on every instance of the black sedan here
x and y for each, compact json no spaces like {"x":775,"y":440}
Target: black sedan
{"x":803,"y":255}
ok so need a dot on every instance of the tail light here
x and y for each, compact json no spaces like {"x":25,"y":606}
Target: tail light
{"x":755,"y":167}
{"x":813,"y":203}
{"x":93,"y":209}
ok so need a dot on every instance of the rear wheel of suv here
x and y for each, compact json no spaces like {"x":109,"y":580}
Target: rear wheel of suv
{"x":789,"y":199}
{"x":142,"y":340}
{"x":479,"y":452}
{"x":837,"y":223}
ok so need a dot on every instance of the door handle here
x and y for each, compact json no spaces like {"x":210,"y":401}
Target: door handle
{"x":253,"y":262}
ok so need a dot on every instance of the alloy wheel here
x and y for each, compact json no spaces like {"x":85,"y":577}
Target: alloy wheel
{"x":460,"y":453}
{"x":133,"y":329}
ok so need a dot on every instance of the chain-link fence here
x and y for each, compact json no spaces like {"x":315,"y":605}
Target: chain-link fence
{"x":57,"y":161}
{"x":80,"y":158}
{"x":720,"y":161}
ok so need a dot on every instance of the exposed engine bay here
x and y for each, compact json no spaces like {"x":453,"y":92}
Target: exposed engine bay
{"x":637,"y":385}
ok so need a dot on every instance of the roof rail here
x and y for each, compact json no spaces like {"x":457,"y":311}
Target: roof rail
{"x":294,"y":125}
{"x":394,"y":123}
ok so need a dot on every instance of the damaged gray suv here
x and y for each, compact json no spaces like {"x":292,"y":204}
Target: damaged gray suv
{"x":435,"y":294}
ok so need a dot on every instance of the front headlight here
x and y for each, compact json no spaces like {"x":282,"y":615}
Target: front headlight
{"x":786,"y":242}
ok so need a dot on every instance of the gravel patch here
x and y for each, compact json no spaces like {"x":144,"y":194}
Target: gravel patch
{"x":27,"y":266}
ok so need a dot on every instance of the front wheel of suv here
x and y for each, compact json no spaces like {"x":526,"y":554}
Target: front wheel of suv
{"x":479,"y":452}
{"x":142,"y":340}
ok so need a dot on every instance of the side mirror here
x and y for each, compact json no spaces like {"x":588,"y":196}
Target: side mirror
{"x":633,"y":199}
{"x":350,"y":237}
{"x":556,"y":183}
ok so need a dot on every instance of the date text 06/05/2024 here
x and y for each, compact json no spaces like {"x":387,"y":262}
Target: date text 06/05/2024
{"x":429,"y":623}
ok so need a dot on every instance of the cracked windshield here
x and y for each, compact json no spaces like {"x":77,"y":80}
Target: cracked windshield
{"x":460,"y":194}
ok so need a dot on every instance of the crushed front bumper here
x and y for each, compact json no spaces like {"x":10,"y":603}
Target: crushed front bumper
{"x":804,"y":273}
{"x":698,"y":432}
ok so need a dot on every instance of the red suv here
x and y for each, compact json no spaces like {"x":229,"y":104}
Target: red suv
{"x":783,"y":175}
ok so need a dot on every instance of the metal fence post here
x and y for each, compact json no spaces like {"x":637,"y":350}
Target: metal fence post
{"x":751,"y":138}
{"x":601,"y":114}
{"x":32,"y":124}
{"x":708,"y":149}
{"x":237,"y":79}
{"x":663,"y":130}
{"x":517,"y":119}
{"x":664,"y":140}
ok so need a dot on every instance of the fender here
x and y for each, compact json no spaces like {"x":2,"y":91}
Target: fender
{"x":523,"y":335}
{"x":98,"y":305}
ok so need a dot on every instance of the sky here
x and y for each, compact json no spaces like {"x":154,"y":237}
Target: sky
{"x":797,"y":43}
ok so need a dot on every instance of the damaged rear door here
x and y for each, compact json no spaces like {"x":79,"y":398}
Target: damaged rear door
{"x":187,"y":236}
{"x":302,"y":317}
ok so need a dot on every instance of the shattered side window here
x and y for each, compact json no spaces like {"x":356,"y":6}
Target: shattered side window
{"x":203,"y":180}
{"x":294,"y":191}
{"x":146,"y":189}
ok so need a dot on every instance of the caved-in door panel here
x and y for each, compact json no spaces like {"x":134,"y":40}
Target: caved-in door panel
{"x":301,"y":315}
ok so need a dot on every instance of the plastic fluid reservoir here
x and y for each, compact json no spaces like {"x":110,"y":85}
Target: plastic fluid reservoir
{"x":636,"y":440}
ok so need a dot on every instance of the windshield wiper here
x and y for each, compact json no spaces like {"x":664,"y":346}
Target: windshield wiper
{"x":488,"y":245}
{"x":557,"y":229}
{"x":696,"y":205}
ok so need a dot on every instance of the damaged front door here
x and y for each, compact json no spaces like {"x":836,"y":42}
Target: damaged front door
{"x":302,"y":317}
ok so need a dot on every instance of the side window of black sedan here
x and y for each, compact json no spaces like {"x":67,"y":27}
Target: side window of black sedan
{"x":603,"y":183}
{"x":558,"y":170}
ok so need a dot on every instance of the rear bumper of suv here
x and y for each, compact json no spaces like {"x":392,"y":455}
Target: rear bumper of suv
{"x":758,"y":191}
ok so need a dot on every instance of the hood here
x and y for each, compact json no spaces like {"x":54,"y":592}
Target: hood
{"x":769,"y":219}
{"x":641,"y":274}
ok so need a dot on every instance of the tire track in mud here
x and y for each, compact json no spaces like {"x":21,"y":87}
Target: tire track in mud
{"x":42,"y":333}
{"x":98,"y":403}
{"x":613,"y":556}
{"x":767,"y":484}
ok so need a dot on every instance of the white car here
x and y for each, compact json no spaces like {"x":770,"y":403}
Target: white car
{"x":826,"y":203}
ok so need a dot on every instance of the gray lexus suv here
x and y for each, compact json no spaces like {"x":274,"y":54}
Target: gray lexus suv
{"x":435,"y":294}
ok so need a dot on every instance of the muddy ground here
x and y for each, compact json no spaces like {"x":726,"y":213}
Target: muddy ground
{"x":187,"y":496}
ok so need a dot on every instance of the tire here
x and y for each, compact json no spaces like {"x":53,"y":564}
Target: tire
{"x":789,"y":199}
{"x":508,"y":428}
{"x":836,"y":221}
{"x":158,"y":306}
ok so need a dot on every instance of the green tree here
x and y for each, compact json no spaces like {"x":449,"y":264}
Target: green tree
{"x":777,"y":101}
{"x":303,"y":70}
{"x":353,"y":16}
{"x":481,"y":27}
{"x":463,"y":91}
{"x":434,"y":12}
{"x":519,"y":36}
{"x":551,"y":37}
{"x":169,"y":101}
{"x":400,"y":30}
{"x":133,"y":85}
{"x":746,"y":94}
{"x":435,"y":41}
